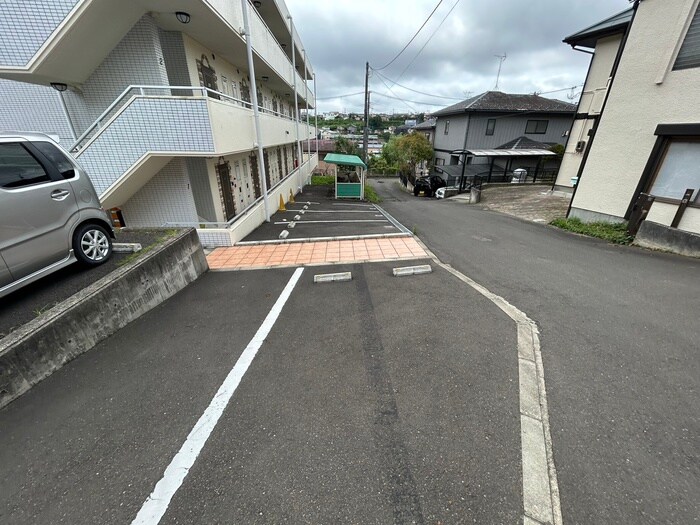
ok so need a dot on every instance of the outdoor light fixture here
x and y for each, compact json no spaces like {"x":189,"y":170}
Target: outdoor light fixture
{"x":257,"y":4}
{"x":183,"y":17}
{"x":59,"y":86}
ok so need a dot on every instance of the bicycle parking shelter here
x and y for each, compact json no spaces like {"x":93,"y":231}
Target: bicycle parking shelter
{"x":349,"y":172}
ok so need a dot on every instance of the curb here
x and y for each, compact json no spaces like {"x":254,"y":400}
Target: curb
{"x":39,"y":348}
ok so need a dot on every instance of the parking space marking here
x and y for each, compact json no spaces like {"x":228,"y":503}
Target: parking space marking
{"x":156,"y":504}
{"x":541,"y":500}
{"x":336,"y":221}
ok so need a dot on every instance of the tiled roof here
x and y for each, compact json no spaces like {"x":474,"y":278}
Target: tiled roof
{"x":324,"y":146}
{"x":428,"y":124}
{"x":498,"y":101}
{"x":610,"y":26}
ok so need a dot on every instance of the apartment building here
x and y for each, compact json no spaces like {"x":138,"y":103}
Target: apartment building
{"x":155,"y":100}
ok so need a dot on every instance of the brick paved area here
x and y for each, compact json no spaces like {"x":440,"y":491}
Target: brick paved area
{"x":314,"y":253}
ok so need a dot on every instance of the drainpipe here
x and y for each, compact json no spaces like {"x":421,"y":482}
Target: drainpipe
{"x":316,"y":117}
{"x":296,"y":100}
{"x":256,"y":112}
{"x":67,"y":115}
{"x":306,"y":97}
{"x":594,"y":129}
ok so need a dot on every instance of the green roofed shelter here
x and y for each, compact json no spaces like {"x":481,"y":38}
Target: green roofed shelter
{"x":349,"y":172}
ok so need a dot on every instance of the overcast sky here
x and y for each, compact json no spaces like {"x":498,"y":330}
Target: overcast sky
{"x":459,"y":59}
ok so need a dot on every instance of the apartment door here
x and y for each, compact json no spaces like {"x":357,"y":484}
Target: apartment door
{"x":223,"y":172}
{"x":207,"y":76}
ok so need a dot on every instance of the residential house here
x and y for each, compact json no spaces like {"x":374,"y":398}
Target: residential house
{"x":427,"y":128}
{"x":646,"y":137}
{"x":156,"y":102}
{"x":471,"y":130}
{"x":605,"y":37}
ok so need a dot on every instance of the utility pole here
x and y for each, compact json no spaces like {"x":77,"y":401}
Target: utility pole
{"x":365,"y":137}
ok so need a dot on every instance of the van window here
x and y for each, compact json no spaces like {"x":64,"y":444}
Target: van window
{"x":19,"y":168}
{"x":57,"y":158}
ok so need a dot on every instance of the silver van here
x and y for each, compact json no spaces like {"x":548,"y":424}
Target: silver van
{"x":50,"y":215}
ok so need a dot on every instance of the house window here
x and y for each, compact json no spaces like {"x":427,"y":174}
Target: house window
{"x":447,"y":127}
{"x":689,"y":53}
{"x":439,"y":162}
{"x":536,"y":127}
{"x":678,"y":170}
{"x":490,"y":126}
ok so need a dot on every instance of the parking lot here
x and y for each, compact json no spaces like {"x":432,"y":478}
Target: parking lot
{"x":317,"y":215}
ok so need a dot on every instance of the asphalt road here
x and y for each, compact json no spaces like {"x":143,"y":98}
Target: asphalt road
{"x":379,"y":400}
{"x":620,"y":348}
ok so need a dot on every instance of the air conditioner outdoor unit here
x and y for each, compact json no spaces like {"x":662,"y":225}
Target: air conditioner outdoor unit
{"x":580,"y":145}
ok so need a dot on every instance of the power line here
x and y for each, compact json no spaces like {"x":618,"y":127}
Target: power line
{"x":397,"y":98}
{"x":405,"y":101}
{"x":429,"y":39}
{"x":413,"y":37}
{"x":415,"y":90}
{"x":557,"y":90}
{"x":341,"y":96}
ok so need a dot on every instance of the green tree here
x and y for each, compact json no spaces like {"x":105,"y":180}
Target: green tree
{"x":409,"y":150}
{"x":345,"y":146}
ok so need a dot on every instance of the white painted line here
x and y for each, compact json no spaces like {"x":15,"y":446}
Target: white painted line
{"x":412,"y":270}
{"x":156,"y":504}
{"x":541,"y":500}
{"x":336,"y":222}
{"x":332,"y":277}
{"x":284,"y":234}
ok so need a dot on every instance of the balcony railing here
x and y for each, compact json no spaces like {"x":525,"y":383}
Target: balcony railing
{"x":160,"y":91}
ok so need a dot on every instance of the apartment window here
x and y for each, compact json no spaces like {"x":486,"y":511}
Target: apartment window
{"x":689,"y":53}
{"x":447,"y":127}
{"x":490,"y":126}
{"x":19,"y":168}
{"x":536,"y":127}
{"x":678,"y":170}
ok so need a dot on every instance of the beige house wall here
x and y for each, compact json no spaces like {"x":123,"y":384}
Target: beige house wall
{"x":591,"y":103}
{"x":646,"y":92}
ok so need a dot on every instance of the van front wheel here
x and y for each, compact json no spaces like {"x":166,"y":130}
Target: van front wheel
{"x":91,"y":244}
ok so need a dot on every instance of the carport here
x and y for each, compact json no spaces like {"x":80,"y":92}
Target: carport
{"x":495,"y":172}
{"x":349,"y":173}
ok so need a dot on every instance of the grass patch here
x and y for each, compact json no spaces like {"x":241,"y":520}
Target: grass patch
{"x":322,"y":180}
{"x":614,"y":233}
{"x":160,"y":240}
{"x":371,"y":194}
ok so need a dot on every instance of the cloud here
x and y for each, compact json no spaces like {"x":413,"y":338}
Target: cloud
{"x":341,"y":35}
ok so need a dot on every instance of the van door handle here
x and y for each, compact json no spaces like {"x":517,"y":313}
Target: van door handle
{"x":59,"y":195}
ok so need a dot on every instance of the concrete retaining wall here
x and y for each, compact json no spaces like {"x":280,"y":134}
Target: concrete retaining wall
{"x":42,"y":346}
{"x":660,"y":237}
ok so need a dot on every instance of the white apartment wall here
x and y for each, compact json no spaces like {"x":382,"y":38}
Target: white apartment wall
{"x":235,"y":74}
{"x":646,"y":92}
{"x":29,"y":107}
{"x":591,"y":102}
{"x":166,"y":198}
{"x":137,"y":59}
